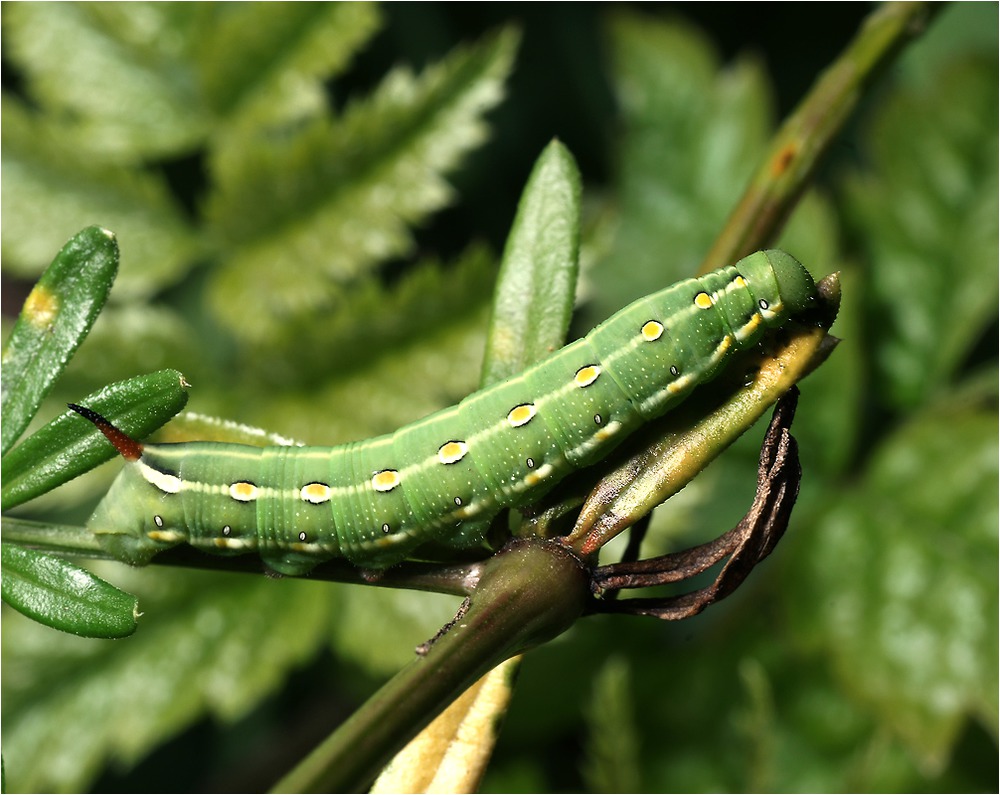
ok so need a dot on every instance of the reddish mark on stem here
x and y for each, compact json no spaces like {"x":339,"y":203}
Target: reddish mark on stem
{"x":783,"y":159}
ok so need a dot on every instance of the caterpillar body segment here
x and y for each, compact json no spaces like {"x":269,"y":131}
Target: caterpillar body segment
{"x":443,"y":478}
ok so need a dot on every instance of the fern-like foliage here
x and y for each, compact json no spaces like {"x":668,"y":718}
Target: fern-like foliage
{"x":299,"y":214}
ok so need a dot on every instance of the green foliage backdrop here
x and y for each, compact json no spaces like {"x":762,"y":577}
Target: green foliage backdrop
{"x":309,"y":199}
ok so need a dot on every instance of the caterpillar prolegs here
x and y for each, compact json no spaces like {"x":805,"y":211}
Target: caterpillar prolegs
{"x":443,"y":478}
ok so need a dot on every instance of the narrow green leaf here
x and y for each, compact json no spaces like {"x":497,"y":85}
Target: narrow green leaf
{"x":56,"y":317}
{"x":69,"y":445}
{"x":534,"y":296}
{"x":344,"y":192}
{"x":58,"y":594}
{"x":532,"y":306}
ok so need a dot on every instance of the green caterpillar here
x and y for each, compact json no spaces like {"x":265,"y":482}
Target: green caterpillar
{"x":443,"y":478}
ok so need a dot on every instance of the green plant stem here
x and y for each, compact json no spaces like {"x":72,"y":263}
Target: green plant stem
{"x":809,"y":131}
{"x":528,"y":593}
{"x":76,"y":541}
{"x":57,"y":538}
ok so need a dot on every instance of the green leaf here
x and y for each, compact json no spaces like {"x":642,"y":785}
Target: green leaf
{"x":54,"y":320}
{"x":392,"y":355}
{"x":144,"y":337}
{"x":117,"y":71}
{"x":343,"y":192}
{"x":58,"y":594}
{"x":693,"y":131}
{"x":217,"y":646}
{"x":69,"y":445}
{"x":264,"y":64}
{"x":899,"y":586}
{"x":534,"y":296}
{"x":379,"y":628}
{"x":613,"y":748}
{"x":377,"y":318}
{"x":927,"y":213}
{"x":53,"y":187}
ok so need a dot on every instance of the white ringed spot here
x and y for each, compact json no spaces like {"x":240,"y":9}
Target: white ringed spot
{"x":703,"y":301}
{"x":386,"y":480}
{"x":521,"y":415}
{"x":652,"y":330}
{"x":452,"y":452}
{"x":585,"y":376}
{"x":243,"y":491}
{"x":316,"y":493}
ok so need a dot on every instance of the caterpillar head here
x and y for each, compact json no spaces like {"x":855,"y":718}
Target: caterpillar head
{"x":795,"y":286}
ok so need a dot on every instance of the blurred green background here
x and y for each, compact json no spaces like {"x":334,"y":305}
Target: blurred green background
{"x":311,"y":200}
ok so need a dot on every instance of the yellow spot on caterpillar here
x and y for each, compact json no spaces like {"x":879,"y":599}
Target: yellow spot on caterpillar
{"x":720,"y":350}
{"x":739,"y":281}
{"x":166,"y":536}
{"x":225,"y":542}
{"x":41,"y":307}
{"x":534,"y":478}
{"x":608,"y":431}
{"x":585,"y":376}
{"x":703,"y":301}
{"x":468,"y":511}
{"x":452,"y":452}
{"x":316,"y":493}
{"x":749,"y":327}
{"x":652,"y":331}
{"x":243,"y":491}
{"x":386,"y":480}
{"x":521,"y":415}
